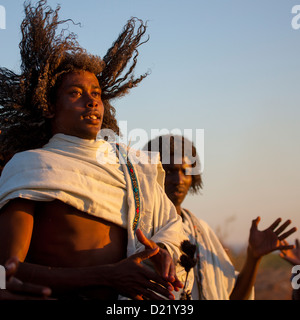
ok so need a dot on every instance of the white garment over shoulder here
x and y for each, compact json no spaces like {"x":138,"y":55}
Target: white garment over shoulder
{"x":69,"y":169}
{"x":215,"y":275}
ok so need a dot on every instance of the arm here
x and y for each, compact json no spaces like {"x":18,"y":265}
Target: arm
{"x":16,"y":225}
{"x":18,"y":290}
{"x":260,"y":244}
{"x":128,"y":277}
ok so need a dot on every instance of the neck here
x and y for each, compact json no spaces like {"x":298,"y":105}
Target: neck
{"x":178,"y":209}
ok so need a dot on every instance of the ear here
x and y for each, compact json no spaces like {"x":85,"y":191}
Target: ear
{"x":50,"y":113}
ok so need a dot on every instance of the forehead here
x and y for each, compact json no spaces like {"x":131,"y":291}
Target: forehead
{"x":80,"y":78}
{"x":178,"y":162}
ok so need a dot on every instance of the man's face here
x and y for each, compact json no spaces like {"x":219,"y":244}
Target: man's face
{"x":78,"y":110}
{"x":178,"y":180}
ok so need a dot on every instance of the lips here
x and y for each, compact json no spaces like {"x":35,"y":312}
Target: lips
{"x":177,"y":192}
{"x":92,"y":115}
{"x":180,"y":189}
{"x":92,"y":118}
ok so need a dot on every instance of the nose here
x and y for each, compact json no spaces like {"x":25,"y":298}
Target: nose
{"x":92,"y":103}
{"x":179,"y":177}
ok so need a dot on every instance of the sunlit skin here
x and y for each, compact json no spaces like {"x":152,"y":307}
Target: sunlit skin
{"x":58,"y":235}
{"x":178,"y":181}
{"x":293,"y":257}
{"x":18,"y":290}
{"x":78,"y":110}
{"x":177,"y":184}
{"x":63,"y":236}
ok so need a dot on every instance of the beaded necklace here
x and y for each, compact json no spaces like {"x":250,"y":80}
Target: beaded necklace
{"x":135,"y":186}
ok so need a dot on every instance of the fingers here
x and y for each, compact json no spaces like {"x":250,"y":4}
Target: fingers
{"x":282,"y":228}
{"x":275,"y":224}
{"x":278,"y":232}
{"x":284,"y":242}
{"x":140,"y":236}
{"x":284,"y":247}
{"x":11,"y":266}
{"x":137,"y":281}
{"x":163,"y":261}
{"x":171,"y":273}
{"x":287,"y":234}
{"x":35,"y":289}
{"x":17,"y":286}
{"x":255,"y":223}
{"x":144,"y":240}
{"x":154,"y":288}
{"x":150,"y":286}
{"x":282,"y":254}
{"x":146,"y":254}
{"x":164,"y":266}
{"x":168,"y":277}
{"x":177,"y":284}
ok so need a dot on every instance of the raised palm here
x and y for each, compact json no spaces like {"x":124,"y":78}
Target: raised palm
{"x":292,"y":256}
{"x":270,"y":239}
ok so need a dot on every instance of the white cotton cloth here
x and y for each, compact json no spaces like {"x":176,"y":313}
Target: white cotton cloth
{"x":67,"y":169}
{"x":72,"y":170}
{"x":215,"y":276}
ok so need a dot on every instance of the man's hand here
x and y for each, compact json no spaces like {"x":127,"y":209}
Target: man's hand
{"x":270,"y":239}
{"x":136,"y":281}
{"x":291,"y":255}
{"x":18,"y":290}
{"x":162,"y":261}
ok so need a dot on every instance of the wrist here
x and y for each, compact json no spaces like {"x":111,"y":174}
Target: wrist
{"x":252,"y":256}
{"x":100,"y":275}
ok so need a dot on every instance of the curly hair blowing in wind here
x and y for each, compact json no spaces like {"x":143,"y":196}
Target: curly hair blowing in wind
{"x":46,"y":55}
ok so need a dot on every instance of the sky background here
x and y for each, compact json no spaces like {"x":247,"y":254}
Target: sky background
{"x":229,"y":67}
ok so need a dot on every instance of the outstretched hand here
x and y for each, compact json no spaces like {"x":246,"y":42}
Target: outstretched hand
{"x":162,"y":261}
{"x":270,"y":239}
{"x":291,"y":255}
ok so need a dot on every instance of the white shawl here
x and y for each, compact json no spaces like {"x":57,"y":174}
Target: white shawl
{"x":215,"y":276}
{"x":67,"y":169}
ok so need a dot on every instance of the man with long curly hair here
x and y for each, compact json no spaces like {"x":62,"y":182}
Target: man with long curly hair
{"x":77,"y":225}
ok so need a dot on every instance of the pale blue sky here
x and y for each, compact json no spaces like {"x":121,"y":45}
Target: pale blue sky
{"x":228,"y":67}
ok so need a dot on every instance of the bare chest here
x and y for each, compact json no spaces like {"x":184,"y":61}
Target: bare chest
{"x":64,"y":236}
